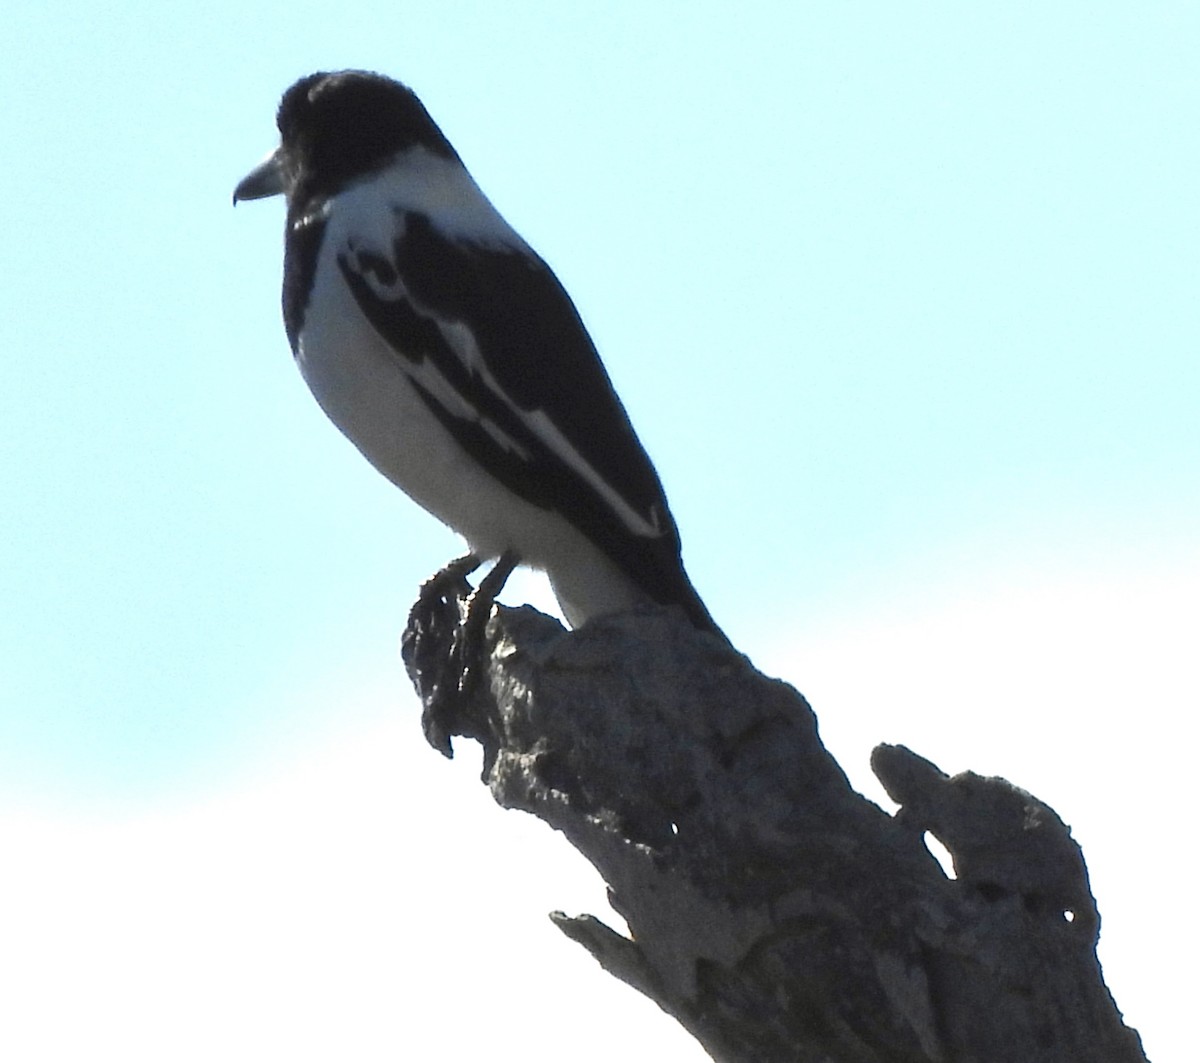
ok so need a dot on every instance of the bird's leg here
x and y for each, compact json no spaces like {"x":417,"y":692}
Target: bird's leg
{"x":468,"y":645}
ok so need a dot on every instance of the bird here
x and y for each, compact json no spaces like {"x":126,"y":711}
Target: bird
{"x":447,"y":351}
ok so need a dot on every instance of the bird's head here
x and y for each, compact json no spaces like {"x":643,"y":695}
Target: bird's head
{"x":337,"y":128}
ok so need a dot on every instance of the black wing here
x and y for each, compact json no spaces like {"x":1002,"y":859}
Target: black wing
{"x":532,"y":377}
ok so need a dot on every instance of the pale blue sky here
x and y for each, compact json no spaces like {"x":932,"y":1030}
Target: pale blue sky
{"x":901,"y":297}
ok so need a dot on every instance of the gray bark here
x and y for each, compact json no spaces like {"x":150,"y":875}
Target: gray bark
{"x":774,"y":911}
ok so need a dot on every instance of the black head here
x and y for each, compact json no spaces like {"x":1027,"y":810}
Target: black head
{"x":341,"y":126}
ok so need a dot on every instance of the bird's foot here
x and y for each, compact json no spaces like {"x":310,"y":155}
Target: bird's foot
{"x":443,"y":645}
{"x":427,"y":646}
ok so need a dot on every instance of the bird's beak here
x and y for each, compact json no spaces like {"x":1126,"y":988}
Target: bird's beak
{"x":266,"y":179}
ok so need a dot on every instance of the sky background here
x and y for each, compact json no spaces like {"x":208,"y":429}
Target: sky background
{"x":902,"y":300}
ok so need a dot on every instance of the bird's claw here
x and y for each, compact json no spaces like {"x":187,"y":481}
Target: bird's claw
{"x":428,"y":646}
{"x":443,"y":644}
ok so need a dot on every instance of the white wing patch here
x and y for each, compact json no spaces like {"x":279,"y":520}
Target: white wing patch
{"x":432,"y":380}
{"x":540,"y":424}
{"x":548,"y":432}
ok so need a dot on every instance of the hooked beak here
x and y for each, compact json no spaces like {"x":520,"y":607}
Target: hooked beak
{"x":266,"y":179}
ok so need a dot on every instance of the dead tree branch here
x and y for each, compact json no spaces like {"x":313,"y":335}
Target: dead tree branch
{"x":775,"y":912}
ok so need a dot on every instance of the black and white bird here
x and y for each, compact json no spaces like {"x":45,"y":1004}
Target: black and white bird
{"x":448,"y":352}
